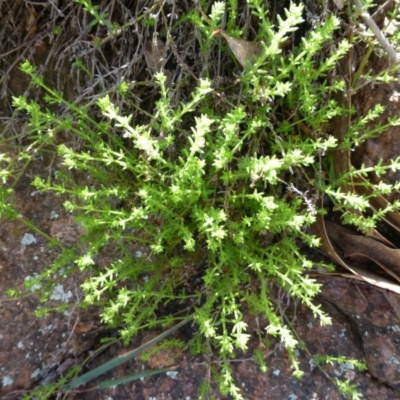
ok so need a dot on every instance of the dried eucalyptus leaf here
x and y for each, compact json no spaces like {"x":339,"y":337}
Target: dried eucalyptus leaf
{"x":155,"y":52}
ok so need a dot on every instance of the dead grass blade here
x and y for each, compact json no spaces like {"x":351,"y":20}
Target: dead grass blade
{"x":368,"y":277}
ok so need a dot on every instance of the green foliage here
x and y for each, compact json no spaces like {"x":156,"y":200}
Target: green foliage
{"x":99,"y":18}
{"x":345,"y":387}
{"x":49,"y":390}
{"x":221,"y":191}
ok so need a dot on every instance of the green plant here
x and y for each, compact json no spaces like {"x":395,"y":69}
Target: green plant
{"x":345,"y":387}
{"x":224,"y":188}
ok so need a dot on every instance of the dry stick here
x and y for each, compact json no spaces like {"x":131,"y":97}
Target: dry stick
{"x":377,"y":32}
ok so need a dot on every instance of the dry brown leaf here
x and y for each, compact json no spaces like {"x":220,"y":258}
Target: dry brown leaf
{"x":31,"y":21}
{"x":245,"y":51}
{"x":365,"y":276}
{"x":339,"y":4}
{"x":155,"y":52}
{"x":356,"y":245}
{"x":319,"y":230}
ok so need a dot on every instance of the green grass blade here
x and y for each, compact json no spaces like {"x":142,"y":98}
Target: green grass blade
{"x":128,"y":378}
{"x":121,"y":359}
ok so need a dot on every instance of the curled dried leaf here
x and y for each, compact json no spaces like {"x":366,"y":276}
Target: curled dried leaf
{"x":31,"y":21}
{"x":245,"y":51}
{"x":357,"y":245}
{"x":155,"y":52}
{"x":319,"y":229}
